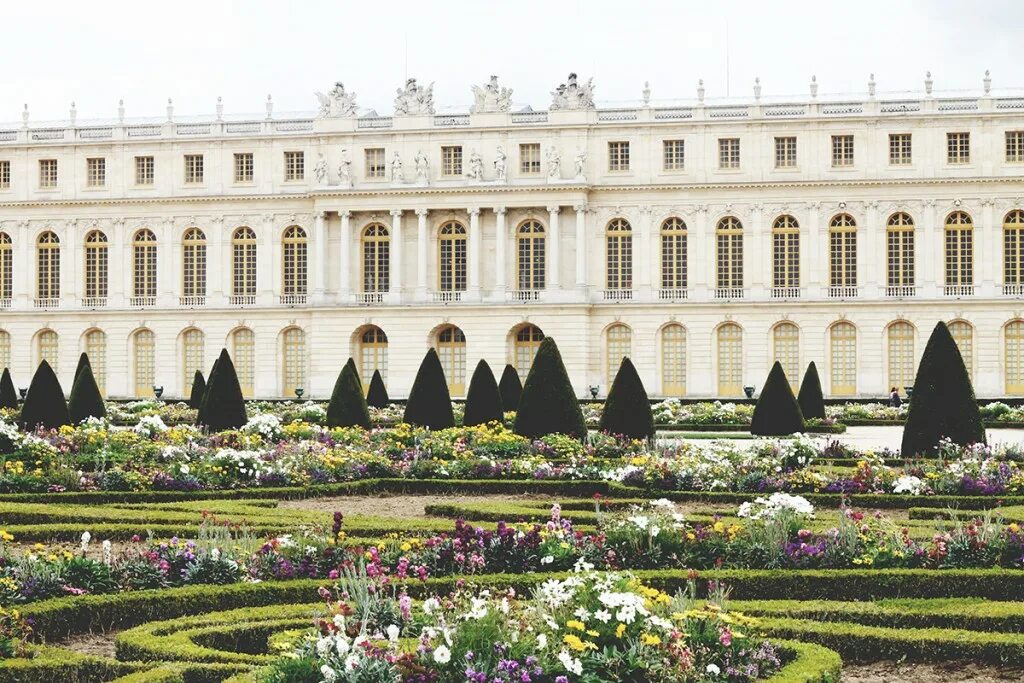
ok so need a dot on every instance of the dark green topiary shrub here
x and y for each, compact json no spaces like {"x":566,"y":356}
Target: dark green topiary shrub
{"x":943,"y":403}
{"x":8,"y":394}
{"x":223,"y":406}
{"x":201,"y":408}
{"x":511,"y":388}
{"x":812,"y":403}
{"x":351,"y":364}
{"x":195,"y":397}
{"x":430,"y":404}
{"x":83,"y":363}
{"x":86,"y":399}
{"x":377,"y":397}
{"x":548,"y":404}
{"x":777,"y":412}
{"x":483,"y":401}
{"x":627,"y":410}
{"x":348,"y":405}
{"x":44,"y":404}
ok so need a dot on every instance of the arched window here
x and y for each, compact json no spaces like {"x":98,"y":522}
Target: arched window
{"x":730,"y":360}
{"x":619,"y":253}
{"x":528,"y":340}
{"x":842,"y":256}
{"x":144,"y":265}
{"x":729,"y":243}
{"x":451,"y":348}
{"x":376,"y":259}
{"x":843,"y":354}
{"x":5,"y":349}
{"x":899,"y":241}
{"x":1014,"y":357}
{"x":47,"y":348}
{"x":96,"y":257}
{"x":373,"y":355}
{"x":530,"y":260}
{"x":243,"y":263}
{"x":96,"y":349}
{"x":959,"y":253}
{"x":451,"y":266}
{"x":620,"y":342}
{"x":243,"y":355}
{"x":673,"y":360}
{"x":1013,"y":252}
{"x":144,"y":351}
{"x":673,"y":254}
{"x":786,"y":350}
{"x":193,"y":347}
{"x":48,"y":266}
{"x":901,"y":355}
{"x":6,"y":267}
{"x":294,"y":262}
{"x":963,"y":334}
{"x":785,"y":257}
{"x":294,"y":361}
{"x":193,"y":265}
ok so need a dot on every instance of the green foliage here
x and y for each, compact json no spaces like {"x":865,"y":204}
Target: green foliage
{"x":223,"y":406}
{"x":430,"y":404}
{"x":85,"y":400}
{"x":348,"y":405}
{"x":511,"y":388}
{"x":548,"y":404}
{"x":44,"y":405}
{"x":8,"y":394}
{"x":201,"y":408}
{"x":812,"y":403}
{"x":377,"y":397}
{"x":195,"y":397}
{"x":483,"y":400}
{"x":627,"y":410}
{"x":943,"y":403}
{"x":83,"y":363}
{"x":352,"y":365}
{"x":777,"y":412}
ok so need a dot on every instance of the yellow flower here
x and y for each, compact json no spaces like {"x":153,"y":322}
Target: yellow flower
{"x":576,"y":644}
{"x":593,"y":634}
{"x":650,"y":639}
{"x":578,"y":625}
{"x":619,"y":630}
{"x":406,"y":547}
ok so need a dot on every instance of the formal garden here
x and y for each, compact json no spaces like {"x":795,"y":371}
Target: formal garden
{"x":521,"y":535}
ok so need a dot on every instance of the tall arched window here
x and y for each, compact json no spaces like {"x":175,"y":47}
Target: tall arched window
{"x":373,"y":355}
{"x":5,"y":349}
{"x":901,"y":355}
{"x":376,"y":244}
{"x":963,"y":334}
{"x":843,"y":355}
{"x":527,"y":341}
{"x":785,"y":257}
{"x":96,"y":265}
{"x":673,"y":254}
{"x":452,"y":257}
{"x":6,"y":268}
{"x":1013,"y":252}
{"x":193,"y":347}
{"x":48,"y":267}
{"x":243,"y":356}
{"x":96,"y":349}
{"x":842,"y":256}
{"x":730,"y":360}
{"x":144,"y":351}
{"x":530,"y":259}
{"x":899,"y":241}
{"x":243,"y":264}
{"x":959,"y":254}
{"x":673,"y":360}
{"x":620,"y":343}
{"x":193,"y":265}
{"x":786,"y":350}
{"x":47,"y":348}
{"x":144,"y":266}
{"x":619,"y":254}
{"x":729,"y":243}
{"x":1014,"y":357}
{"x":451,"y":348}
{"x":294,"y":262}
{"x":294,"y":361}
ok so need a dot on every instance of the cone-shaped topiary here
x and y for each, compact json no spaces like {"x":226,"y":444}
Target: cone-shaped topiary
{"x":83,"y":363}
{"x":44,"y":404}
{"x":627,"y":410}
{"x":352,"y":365}
{"x":812,"y":403}
{"x":348,"y":405}
{"x":548,"y":404}
{"x":943,"y":403}
{"x":483,"y":400}
{"x":201,"y":408}
{"x":430,"y":404}
{"x":86,"y":399}
{"x":777,"y":412}
{"x":377,"y":397}
{"x":223,"y":406}
{"x":511,"y":388}
{"x":195,"y":397}
{"x":8,"y":395}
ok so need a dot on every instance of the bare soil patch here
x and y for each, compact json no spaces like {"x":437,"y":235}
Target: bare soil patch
{"x":941,"y":672}
{"x":98,"y":644}
{"x":399,"y":505}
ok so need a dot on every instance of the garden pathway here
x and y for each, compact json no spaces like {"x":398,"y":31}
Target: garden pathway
{"x":891,"y":437}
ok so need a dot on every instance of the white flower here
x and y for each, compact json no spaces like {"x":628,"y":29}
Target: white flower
{"x":909,"y":484}
{"x":547,"y":559}
{"x":352,"y":662}
{"x":86,"y":537}
{"x":571,"y":664}
{"x":324,"y":645}
{"x":442,"y":655}
{"x":392,"y":633}
{"x":603,"y":615}
{"x":542,"y":641}
{"x":430,"y":604}
{"x":663,"y":503}
{"x":215,"y":554}
{"x":106,"y":553}
{"x":713,"y":669}
{"x":342,"y":646}
{"x":329,"y":674}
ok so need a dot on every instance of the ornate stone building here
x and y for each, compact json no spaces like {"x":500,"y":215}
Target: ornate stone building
{"x":704,"y":240}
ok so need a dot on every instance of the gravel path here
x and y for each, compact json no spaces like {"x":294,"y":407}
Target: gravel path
{"x":945,"y":672}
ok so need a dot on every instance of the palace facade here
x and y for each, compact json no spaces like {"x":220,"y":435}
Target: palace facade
{"x":704,"y":240}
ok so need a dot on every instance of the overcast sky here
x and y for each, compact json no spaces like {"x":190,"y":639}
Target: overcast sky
{"x":96,"y":52}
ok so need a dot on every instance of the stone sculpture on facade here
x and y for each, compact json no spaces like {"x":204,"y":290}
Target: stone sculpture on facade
{"x":581,"y":163}
{"x":554,"y":164}
{"x":397,"y":175}
{"x":476,"y":167}
{"x":414,"y":100}
{"x":320,"y":170}
{"x":345,"y":170}
{"x":491,"y":97}
{"x":572,"y":95}
{"x":500,"y":164}
{"x":337,"y":103}
{"x":422,"y":168}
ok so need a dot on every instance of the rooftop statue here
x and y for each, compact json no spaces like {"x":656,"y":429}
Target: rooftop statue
{"x":491,"y":98}
{"x":337,"y":103}
{"x":414,"y":100}
{"x":572,"y":95}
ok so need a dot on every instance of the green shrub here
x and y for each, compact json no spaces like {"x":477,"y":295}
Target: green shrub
{"x":348,"y":405}
{"x":430,"y":404}
{"x":548,"y":404}
{"x":201,"y":408}
{"x":627,"y":410}
{"x":377,"y":397}
{"x":352,"y":365}
{"x":44,"y":404}
{"x":195,"y":397}
{"x":83,"y":363}
{"x":86,"y":400}
{"x":777,"y":412}
{"x":483,"y":400}
{"x":223,"y":406}
{"x":812,"y":403}
{"x":511,"y":388}
{"x":8,"y":394}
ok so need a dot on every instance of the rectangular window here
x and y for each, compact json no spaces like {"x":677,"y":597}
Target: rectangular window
{"x":673,"y":155}
{"x":95,"y":172}
{"x":900,"y":151}
{"x":294,"y":166}
{"x":375,"y":165}
{"x":47,"y":173}
{"x":618,"y":156}
{"x":529,"y":158}
{"x":451,"y":160}
{"x":842,"y":150}
{"x":5,"y":175}
{"x":244,"y":167}
{"x":144,"y":170}
{"x":1014,"y":146}
{"x":785,"y":152}
{"x":728,"y":153}
{"x":193,"y":169}
{"x":958,"y":148}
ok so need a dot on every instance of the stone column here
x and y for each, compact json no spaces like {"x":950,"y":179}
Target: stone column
{"x":474,"y":252}
{"x":581,"y":247}
{"x":216,"y":262}
{"x":118,"y":284}
{"x":701,"y":253}
{"x":319,"y":254}
{"x":871,"y":255}
{"x":554,"y":252}
{"x":345,"y":260}
{"x":989,"y":274}
{"x":24,"y":266}
{"x":266,"y":275}
{"x":500,"y":267}
{"x":395,"y":295}
{"x":644,"y":267}
{"x":929,"y":276}
{"x":165,"y":280}
{"x":755,"y":280}
{"x":70,"y":258}
{"x":422,"y":249}
{"x":813,"y":259}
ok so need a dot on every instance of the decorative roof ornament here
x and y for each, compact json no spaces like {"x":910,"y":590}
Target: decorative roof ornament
{"x":700,"y":91}
{"x":647,"y":93}
{"x":491,"y":98}
{"x":414,"y":100}
{"x":987,"y":82}
{"x":814,"y":87}
{"x":928,"y":83}
{"x":337,"y":103}
{"x":757,"y":88}
{"x":871,"y":86}
{"x":571,"y":95}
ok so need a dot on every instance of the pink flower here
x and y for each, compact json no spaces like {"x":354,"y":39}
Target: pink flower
{"x":725,"y":638}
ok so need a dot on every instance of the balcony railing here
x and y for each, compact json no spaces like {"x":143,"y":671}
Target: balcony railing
{"x":370,"y":298}
{"x":94,"y":302}
{"x":192,"y":301}
{"x":958,"y":290}
{"x":50,"y":302}
{"x":5,"y":302}
{"x":293,"y":299}
{"x":617,"y":294}
{"x":843,"y":292}
{"x":729,"y":293}
{"x":523,"y":295}
{"x":1013,"y":290}
{"x":446,"y":297}
{"x":142,"y":301}
{"x":901,"y":291}
{"x":785,"y":292}
{"x":242,"y":299}
{"x":672,"y":294}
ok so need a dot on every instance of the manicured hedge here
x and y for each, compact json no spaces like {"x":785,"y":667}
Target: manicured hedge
{"x":810,"y":663}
